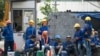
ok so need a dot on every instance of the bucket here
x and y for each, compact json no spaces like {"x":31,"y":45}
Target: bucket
{"x":11,"y":54}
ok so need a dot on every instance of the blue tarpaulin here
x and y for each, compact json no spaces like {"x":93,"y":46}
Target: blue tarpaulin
{"x":93,"y":15}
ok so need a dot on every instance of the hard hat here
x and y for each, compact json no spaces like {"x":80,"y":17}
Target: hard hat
{"x":87,"y":18}
{"x":31,"y":21}
{"x":57,"y":36}
{"x":76,"y":25}
{"x":8,"y":21}
{"x":43,"y":20}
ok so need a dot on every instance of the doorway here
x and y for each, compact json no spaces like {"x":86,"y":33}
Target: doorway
{"x":17,"y":20}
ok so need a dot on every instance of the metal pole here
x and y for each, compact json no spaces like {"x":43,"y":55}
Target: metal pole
{"x":36,"y":15}
{"x":55,"y":5}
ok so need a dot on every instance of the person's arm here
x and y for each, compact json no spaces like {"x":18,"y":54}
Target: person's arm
{"x":4,"y":32}
{"x":34,"y":32}
{"x":40,"y":32}
{"x":28,"y":45}
{"x":25,"y":33}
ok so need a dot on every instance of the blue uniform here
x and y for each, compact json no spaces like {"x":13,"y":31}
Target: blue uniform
{"x":42,"y":28}
{"x":67,"y":44}
{"x":29,"y":31}
{"x":87,"y":29}
{"x":79,"y":34}
{"x":8,"y":33}
{"x":94,"y":39}
{"x":8,"y":38}
{"x":29,"y":44}
{"x":52,"y":43}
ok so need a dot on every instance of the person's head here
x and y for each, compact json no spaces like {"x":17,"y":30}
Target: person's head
{"x":33,"y":38}
{"x":68,"y":38}
{"x":31,"y":22}
{"x":96,"y":33}
{"x":57,"y":38}
{"x":77,"y":26}
{"x":8,"y":22}
{"x":45,"y":34}
{"x":44,"y":22}
{"x":87,"y":19}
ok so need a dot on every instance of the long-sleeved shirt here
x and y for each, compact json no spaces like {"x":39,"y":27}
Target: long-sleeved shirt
{"x":42,"y":28}
{"x":79,"y":34}
{"x":8,"y":33}
{"x":29,"y":44}
{"x":67,"y":44}
{"x":87,"y":29}
{"x":29,"y":31}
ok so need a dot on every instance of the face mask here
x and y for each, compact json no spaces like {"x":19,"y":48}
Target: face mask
{"x":9,"y":24}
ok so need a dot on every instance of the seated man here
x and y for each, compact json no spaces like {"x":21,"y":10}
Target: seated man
{"x":30,"y":45}
{"x":68,"y":46}
{"x":58,"y":45}
{"x":45,"y":41}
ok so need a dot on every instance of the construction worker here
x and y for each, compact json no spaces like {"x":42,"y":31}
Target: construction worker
{"x":30,"y":30}
{"x":93,"y":42}
{"x":68,"y":46}
{"x":8,"y":37}
{"x":45,"y":42}
{"x":78,"y":38}
{"x":58,"y":45}
{"x":44,"y":26}
{"x":87,"y":31}
{"x":31,"y":45}
{"x":45,"y":39}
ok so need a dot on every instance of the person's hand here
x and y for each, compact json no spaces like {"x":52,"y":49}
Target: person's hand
{"x":92,"y":44}
{"x":37,"y":42}
{"x":88,"y":39}
{"x":58,"y":46}
{"x":31,"y":44}
{"x":86,"y":33}
{"x":76,"y":38}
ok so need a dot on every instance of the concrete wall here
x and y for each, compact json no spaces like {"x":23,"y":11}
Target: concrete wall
{"x":62,"y":24}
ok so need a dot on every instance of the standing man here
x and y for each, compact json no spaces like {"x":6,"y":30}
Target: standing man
{"x":78,"y":38}
{"x":30,"y":30}
{"x":87,"y":31}
{"x":8,"y":37}
{"x":44,"y":26}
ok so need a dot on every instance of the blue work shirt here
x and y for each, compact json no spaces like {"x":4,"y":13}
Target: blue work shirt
{"x":79,"y":34}
{"x":42,"y":28}
{"x":87,"y":29}
{"x":52,"y":43}
{"x":8,"y":33}
{"x":29,"y":31}
{"x":29,"y":44}
{"x":94,"y":39}
{"x":67,"y":44}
